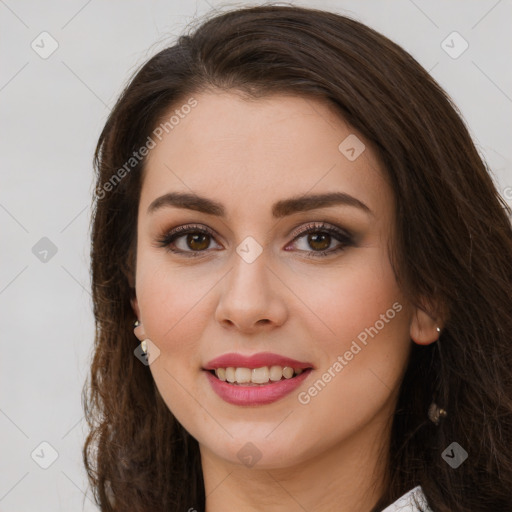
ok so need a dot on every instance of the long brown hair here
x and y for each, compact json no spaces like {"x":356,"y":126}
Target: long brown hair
{"x":453,"y":245}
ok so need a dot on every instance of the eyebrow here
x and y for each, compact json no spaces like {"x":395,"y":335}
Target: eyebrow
{"x":280,"y":209}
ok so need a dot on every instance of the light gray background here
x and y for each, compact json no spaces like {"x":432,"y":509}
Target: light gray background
{"x":52,"y":111}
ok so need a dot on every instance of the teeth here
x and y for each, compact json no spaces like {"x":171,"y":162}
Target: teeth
{"x":261,"y":375}
{"x":242,"y":375}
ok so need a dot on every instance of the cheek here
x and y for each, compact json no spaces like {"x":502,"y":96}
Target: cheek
{"x":361,"y":317}
{"x":172,"y":304}
{"x":364,"y":349}
{"x":173,"y":310}
{"x":352,"y":297}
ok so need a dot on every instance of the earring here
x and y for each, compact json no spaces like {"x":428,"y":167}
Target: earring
{"x":435,"y":413}
{"x":143,"y":343}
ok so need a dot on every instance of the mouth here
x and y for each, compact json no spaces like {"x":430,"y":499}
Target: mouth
{"x":254,"y":377}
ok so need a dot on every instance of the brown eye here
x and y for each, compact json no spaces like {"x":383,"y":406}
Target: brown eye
{"x":197,"y":241}
{"x":320,"y":236}
{"x":187,"y":240}
{"x":318,"y":241}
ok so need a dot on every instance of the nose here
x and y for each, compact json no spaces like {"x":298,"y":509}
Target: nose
{"x":252,"y":297}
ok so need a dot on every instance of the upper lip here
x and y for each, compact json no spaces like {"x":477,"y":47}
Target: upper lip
{"x":254,"y":361}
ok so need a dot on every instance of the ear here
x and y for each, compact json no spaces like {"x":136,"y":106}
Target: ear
{"x":139,"y":331}
{"x":423,"y":327}
{"x":135,"y":307}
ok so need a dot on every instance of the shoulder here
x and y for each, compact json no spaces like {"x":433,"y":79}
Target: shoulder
{"x":409,"y":502}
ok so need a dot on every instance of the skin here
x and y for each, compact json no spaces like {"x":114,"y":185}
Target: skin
{"x":321,"y":456}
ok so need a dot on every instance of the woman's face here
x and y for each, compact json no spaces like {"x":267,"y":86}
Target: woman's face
{"x":259,"y":283}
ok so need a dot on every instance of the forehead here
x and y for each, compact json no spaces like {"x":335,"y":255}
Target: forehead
{"x":258,"y":151}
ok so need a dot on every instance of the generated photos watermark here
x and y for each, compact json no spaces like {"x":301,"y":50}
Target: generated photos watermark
{"x":138,"y":155}
{"x":304,"y":397}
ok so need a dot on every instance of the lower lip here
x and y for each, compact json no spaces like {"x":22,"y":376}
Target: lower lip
{"x":255,"y":395}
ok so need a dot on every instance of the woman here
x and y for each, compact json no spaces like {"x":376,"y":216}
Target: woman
{"x":301,"y":281}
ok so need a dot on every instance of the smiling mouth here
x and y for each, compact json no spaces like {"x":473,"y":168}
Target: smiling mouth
{"x":257,"y":377}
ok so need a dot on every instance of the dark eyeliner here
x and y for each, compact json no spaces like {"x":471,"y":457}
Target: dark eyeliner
{"x":341,"y":235}
{"x":169,"y":237}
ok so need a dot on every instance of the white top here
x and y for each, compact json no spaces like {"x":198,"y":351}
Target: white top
{"x":406,"y":502}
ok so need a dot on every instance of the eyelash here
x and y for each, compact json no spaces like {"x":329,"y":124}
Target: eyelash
{"x":341,"y":235}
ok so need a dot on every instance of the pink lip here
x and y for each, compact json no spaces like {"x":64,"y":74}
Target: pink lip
{"x":255,"y":361}
{"x":255,"y":395}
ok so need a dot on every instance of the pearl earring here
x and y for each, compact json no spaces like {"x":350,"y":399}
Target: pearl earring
{"x":143,"y":343}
